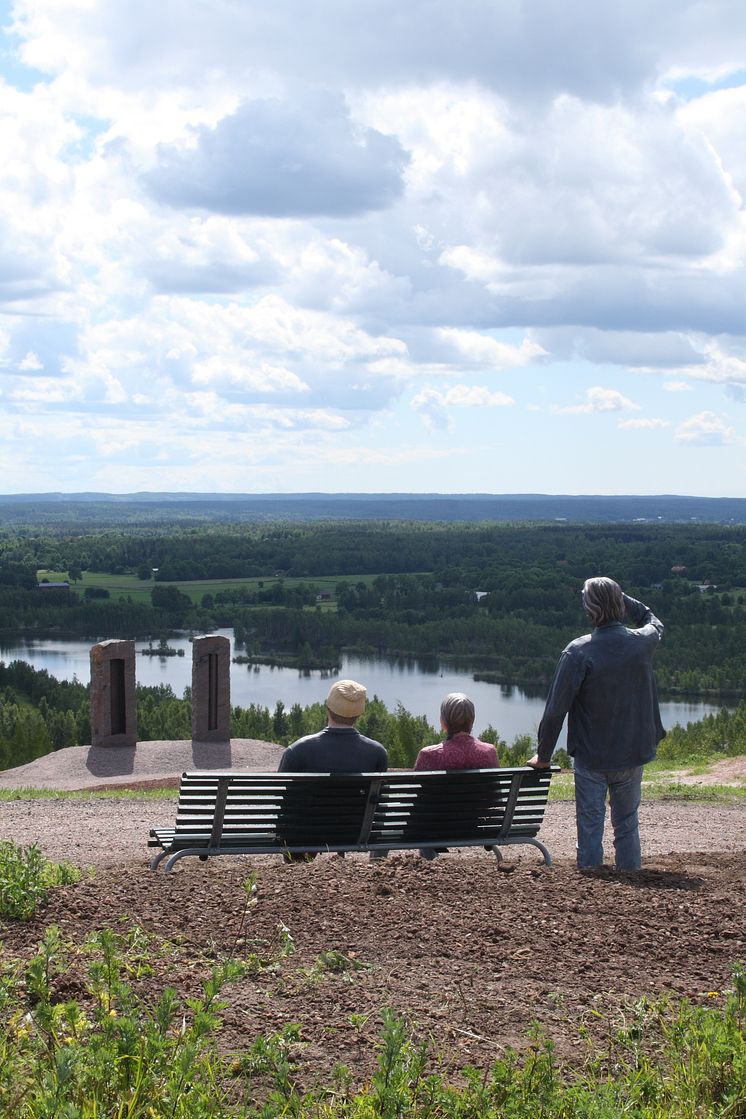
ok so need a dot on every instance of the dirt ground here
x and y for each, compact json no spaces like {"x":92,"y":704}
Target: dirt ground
{"x":469,"y":953}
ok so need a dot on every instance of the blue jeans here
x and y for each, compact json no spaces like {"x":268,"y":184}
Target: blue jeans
{"x":624,"y":789}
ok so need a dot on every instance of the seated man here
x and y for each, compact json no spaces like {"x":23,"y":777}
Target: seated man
{"x":339,"y":747}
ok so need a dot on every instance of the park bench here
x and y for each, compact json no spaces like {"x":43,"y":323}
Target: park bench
{"x":236,"y":813}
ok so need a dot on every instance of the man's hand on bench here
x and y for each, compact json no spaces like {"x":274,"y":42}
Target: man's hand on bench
{"x":536,"y":764}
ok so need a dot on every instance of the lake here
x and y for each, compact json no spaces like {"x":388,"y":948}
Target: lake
{"x":419,"y":686}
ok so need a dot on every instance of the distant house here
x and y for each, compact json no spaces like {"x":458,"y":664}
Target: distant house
{"x":46,"y":586}
{"x":480,"y":595}
{"x":678,"y":569}
{"x":324,"y":596}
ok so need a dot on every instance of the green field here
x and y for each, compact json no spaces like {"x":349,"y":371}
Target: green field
{"x":129,"y":586}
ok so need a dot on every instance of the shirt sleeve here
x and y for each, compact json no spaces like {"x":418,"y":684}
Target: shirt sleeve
{"x":568,"y":677}
{"x":641,"y":615}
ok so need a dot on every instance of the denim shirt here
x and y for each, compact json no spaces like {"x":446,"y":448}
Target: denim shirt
{"x":604,"y":683}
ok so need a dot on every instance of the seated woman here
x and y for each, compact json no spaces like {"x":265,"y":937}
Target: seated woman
{"x":460,"y":750}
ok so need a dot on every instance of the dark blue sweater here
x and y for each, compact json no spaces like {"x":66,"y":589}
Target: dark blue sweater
{"x":334,"y":750}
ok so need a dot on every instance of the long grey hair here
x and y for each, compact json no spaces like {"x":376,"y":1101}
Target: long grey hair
{"x":603,"y":601}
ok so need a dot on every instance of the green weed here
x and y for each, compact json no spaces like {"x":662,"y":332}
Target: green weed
{"x":26,"y":877}
{"x":331,"y":961}
{"x":111,"y":1056}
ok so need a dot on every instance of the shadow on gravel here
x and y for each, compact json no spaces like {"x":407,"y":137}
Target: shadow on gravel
{"x":647,"y":879}
{"x":110,"y":761}
{"x":211,"y":755}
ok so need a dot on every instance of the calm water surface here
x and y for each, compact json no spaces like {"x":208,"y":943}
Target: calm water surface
{"x":418,"y":686}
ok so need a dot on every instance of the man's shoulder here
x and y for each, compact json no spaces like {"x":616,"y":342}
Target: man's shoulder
{"x":578,"y":645}
{"x":362,"y":738}
{"x":307,"y":739}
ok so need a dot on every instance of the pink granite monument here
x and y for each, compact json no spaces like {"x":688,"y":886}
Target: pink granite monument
{"x":113,"y":699}
{"x":211,"y":689}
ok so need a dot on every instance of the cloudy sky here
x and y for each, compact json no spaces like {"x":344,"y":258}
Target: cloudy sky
{"x":373,"y":245}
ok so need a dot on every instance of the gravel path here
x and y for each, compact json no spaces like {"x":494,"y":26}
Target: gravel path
{"x":107,"y":832}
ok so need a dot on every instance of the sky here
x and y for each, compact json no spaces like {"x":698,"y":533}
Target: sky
{"x":493,"y":246}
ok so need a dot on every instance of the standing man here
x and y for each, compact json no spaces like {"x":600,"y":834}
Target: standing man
{"x":340,"y":747}
{"x":604,"y":682}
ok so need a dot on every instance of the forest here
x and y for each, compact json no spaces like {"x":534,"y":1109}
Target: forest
{"x":68,"y":511}
{"x":39,"y":714}
{"x":502,"y":598}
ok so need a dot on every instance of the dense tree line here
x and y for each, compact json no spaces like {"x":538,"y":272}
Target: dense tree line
{"x":504,"y":598}
{"x":636,"y":554}
{"x":39,"y":714}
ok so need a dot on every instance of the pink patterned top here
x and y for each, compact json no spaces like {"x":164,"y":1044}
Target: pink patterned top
{"x":460,"y":752}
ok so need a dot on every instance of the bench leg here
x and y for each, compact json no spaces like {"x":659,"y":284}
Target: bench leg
{"x":155,"y":862}
{"x":542,"y":848}
{"x":515,"y":842}
{"x":200,"y":852}
{"x":537,"y":843}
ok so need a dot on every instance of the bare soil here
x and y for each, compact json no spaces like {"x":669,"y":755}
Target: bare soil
{"x":469,"y":953}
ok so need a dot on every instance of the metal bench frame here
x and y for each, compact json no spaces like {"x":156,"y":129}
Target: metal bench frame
{"x":236,"y":813}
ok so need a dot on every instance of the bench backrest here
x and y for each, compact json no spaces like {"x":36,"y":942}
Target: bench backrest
{"x":345,"y":811}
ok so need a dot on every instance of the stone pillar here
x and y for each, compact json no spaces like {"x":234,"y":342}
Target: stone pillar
{"x":211,"y":689}
{"x":113,"y":700}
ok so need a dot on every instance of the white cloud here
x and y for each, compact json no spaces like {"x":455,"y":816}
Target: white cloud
{"x":481,"y":351}
{"x":177,"y":347}
{"x":600,"y":400}
{"x":282,"y":159}
{"x":280,"y":224}
{"x":436,"y":407}
{"x":717,"y":116}
{"x":327,"y":41}
{"x":624,"y":185}
{"x":31,"y":363}
{"x":706,"y":429}
{"x":643,"y":424}
{"x":261,"y":378}
{"x":640,"y":350}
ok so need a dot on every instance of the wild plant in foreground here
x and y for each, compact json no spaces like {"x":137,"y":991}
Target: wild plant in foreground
{"x":26,"y":877}
{"x":111,"y":1056}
